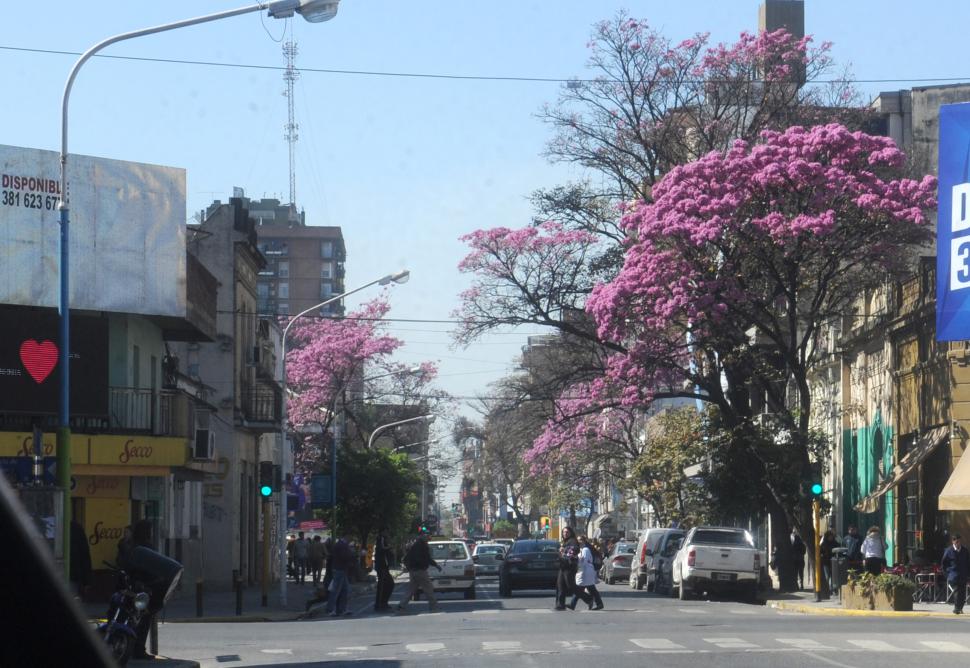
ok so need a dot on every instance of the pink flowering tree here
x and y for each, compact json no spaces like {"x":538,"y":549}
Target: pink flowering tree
{"x":331,"y":358}
{"x":736,"y":263}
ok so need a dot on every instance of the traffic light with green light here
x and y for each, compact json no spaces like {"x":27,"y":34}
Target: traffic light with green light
{"x":816,"y":489}
{"x":266,"y":480}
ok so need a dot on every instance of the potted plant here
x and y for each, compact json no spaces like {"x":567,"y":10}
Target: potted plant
{"x":886,"y":591}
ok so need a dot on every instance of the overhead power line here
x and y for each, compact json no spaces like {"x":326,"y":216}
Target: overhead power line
{"x":435,"y":75}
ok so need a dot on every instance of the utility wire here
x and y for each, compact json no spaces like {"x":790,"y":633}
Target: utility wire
{"x":447,"y":77}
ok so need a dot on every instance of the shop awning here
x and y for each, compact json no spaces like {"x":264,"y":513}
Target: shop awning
{"x":922,"y":449}
{"x":956,"y":491}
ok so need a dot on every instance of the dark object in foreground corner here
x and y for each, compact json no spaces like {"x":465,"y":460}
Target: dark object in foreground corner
{"x":44,"y":626}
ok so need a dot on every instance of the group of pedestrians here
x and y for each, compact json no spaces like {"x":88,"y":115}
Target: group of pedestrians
{"x":578,"y":565}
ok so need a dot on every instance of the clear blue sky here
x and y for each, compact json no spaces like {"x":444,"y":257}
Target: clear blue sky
{"x":404,"y":165}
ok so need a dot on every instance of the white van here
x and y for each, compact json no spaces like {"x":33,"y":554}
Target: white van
{"x":643,"y":569}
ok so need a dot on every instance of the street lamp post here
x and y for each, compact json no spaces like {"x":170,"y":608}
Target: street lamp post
{"x":314,"y":11}
{"x":383,"y":427}
{"x":399,"y":277}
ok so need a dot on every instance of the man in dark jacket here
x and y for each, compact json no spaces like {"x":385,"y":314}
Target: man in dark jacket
{"x":417,"y":560}
{"x":341,"y":563}
{"x":382,"y":564}
{"x":956,"y":564}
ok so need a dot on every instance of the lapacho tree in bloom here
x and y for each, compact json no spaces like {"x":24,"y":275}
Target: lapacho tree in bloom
{"x":736,"y":263}
{"x":328,"y":355}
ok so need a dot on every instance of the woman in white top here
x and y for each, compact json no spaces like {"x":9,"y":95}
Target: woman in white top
{"x":586,"y":579}
{"x":874,"y":551}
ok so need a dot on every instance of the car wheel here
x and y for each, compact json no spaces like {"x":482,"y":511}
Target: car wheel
{"x":683,"y":592}
{"x":504,"y":589}
{"x":671,"y":592}
{"x":751,"y":593}
{"x":470,"y":594}
{"x":651,"y":584}
{"x":633,"y":581}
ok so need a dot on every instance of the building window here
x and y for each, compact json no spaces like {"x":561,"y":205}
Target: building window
{"x":283,"y":309}
{"x":326,"y":270}
{"x":326,"y":249}
{"x":326,"y":290}
{"x":262,"y":290}
{"x":284,"y":269}
{"x":284,"y":291}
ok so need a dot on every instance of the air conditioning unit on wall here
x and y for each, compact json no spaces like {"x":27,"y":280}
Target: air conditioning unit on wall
{"x":204,"y":447}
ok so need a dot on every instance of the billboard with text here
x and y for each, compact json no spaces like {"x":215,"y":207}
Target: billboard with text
{"x":127,"y":233}
{"x":953,"y":225}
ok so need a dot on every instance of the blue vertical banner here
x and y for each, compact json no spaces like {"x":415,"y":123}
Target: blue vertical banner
{"x":953,"y":225}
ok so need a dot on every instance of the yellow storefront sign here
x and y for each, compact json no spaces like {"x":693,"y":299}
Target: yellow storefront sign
{"x":100,"y":486}
{"x":104,"y":525}
{"x":103,"y":449}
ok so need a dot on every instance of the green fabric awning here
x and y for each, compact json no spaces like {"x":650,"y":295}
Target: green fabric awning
{"x":923,"y":448}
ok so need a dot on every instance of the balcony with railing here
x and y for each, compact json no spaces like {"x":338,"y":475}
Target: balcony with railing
{"x":261,"y":404}
{"x":140,"y":410}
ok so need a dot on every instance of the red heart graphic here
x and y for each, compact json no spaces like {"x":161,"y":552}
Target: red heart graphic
{"x":38,"y":358}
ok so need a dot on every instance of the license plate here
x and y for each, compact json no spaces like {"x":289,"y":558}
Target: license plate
{"x":538,"y":565}
{"x":443,"y":583}
{"x":724,"y":576}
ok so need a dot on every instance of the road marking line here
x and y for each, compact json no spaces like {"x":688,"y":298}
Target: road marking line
{"x":485,"y":612}
{"x":279,"y":651}
{"x":500,"y":645}
{"x":539,"y":611}
{"x":577,"y":644}
{"x":355,"y":648}
{"x":424,"y":647}
{"x":656,"y":643}
{"x":803,"y":643}
{"x":730,"y":643}
{"x":876,"y":645}
{"x":738,"y":611}
{"x":944,"y":646}
{"x":692,"y":611}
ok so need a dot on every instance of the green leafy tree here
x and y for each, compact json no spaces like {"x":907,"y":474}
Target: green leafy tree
{"x":375,"y":488}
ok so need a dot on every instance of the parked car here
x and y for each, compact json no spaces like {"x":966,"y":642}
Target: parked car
{"x":507,"y":542}
{"x":484,"y":558}
{"x":616,"y":565}
{"x":529,"y":564}
{"x":714,"y":559}
{"x":663,"y":563}
{"x":643,"y":567}
{"x":457,"y":568}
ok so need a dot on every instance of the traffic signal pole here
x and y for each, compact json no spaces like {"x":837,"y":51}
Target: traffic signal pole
{"x":816,"y":512}
{"x":267,"y":533}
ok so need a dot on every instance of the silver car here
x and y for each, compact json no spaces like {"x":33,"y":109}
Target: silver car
{"x":484,"y":558}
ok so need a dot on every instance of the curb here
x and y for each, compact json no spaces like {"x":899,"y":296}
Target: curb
{"x":277,"y":616}
{"x":843,"y":612}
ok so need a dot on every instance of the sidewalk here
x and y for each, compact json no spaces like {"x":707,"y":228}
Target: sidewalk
{"x":804,"y":602}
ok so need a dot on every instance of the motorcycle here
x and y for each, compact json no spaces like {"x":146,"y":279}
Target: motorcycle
{"x":144,"y":587}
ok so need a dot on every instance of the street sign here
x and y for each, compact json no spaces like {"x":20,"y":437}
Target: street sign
{"x":321,"y":491}
{"x":310,"y":525}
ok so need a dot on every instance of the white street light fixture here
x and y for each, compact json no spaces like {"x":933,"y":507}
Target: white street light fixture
{"x":370,"y":442}
{"x":411,"y":445}
{"x":313,"y":11}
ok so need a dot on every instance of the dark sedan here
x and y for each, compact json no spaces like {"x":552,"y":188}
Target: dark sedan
{"x":529,"y":564}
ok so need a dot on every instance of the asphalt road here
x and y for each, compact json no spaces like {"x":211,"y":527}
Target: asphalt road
{"x":635,"y":629}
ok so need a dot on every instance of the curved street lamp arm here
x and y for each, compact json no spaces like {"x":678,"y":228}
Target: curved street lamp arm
{"x":370,"y":441}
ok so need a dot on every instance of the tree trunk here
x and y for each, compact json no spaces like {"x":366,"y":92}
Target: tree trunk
{"x":782,"y":550}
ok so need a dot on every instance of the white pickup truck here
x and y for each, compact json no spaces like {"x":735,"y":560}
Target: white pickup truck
{"x":715,"y":559}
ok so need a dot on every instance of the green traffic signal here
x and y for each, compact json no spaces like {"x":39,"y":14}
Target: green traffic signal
{"x":265,"y":491}
{"x":817,"y":489}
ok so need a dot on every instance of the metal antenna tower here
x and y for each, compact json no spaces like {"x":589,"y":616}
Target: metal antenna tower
{"x":290,"y":75}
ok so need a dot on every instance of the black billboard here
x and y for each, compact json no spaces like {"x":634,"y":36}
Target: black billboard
{"x":30,"y":355}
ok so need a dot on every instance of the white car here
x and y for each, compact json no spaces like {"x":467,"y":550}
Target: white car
{"x":457,"y":568}
{"x":485,"y":558}
{"x":716,"y":559}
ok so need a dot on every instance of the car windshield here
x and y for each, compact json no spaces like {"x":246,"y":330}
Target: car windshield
{"x":489,"y":549}
{"x":523,"y":546}
{"x":714,"y":537}
{"x":448,"y":551}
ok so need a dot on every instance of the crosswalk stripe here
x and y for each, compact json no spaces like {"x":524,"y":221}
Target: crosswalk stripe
{"x":500,"y":645}
{"x":730,"y":643}
{"x":692,"y":611}
{"x":539,"y":611}
{"x":485,"y":612}
{"x":944,"y":646}
{"x":738,"y":611}
{"x":803,"y":643}
{"x":424,"y":647}
{"x":875,"y":645}
{"x":656,"y":643}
